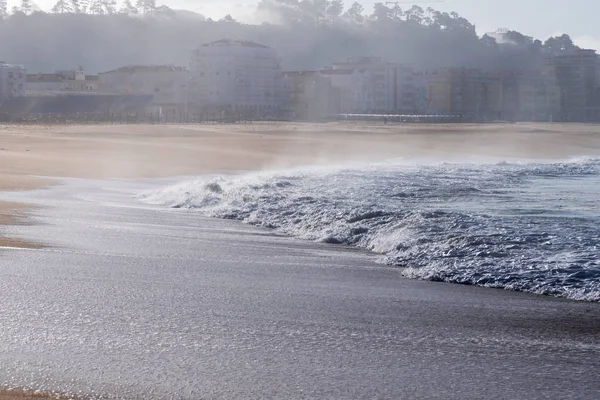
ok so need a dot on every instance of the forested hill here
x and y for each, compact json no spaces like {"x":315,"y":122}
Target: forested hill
{"x":307,"y":34}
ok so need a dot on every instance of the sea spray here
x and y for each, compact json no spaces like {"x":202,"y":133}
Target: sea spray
{"x":527,"y":226}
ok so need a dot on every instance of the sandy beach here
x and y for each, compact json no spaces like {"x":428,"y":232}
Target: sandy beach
{"x":31,"y":152}
{"x":34,"y":157}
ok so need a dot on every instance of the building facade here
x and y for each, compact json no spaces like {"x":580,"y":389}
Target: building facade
{"x":238,"y":76}
{"x":530,"y":96}
{"x":470,"y":93}
{"x":311,"y":95}
{"x":71,"y":81}
{"x":12,"y":81}
{"x":168,"y":85}
{"x":577,"y":73}
{"x":370,"y":85}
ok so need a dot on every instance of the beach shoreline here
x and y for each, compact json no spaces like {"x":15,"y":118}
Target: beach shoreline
{"x":33,"y":157}
{"x":36,"y":158}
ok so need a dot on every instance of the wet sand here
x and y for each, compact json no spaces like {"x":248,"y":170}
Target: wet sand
{"x":34,"y":157}
{"x":24,"y":395}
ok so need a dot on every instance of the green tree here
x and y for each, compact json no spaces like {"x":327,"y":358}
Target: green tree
{"x":228,"y":18}
{"x":165,"y":10}
{"x":382,"y":13}
{"x":287,"y":11}
{"x":84,"y":6}
{"x":75,"y":6}
{"x":488,"y":41}
{"x":335,"y":9}
{"x":146,"y":6}
{"x":415,"y":14}
{"x":26,"y":6}
{"x":314,"y":11}
{"x":3,"y":9}
{"x":516,"y":38}
{"x":559,"y":44}
{"x":128,"y":8}
{"x":62,"y":7}
{"x":109,"y":6}
{"x":97,"y":7}
{"x":355,"y":13}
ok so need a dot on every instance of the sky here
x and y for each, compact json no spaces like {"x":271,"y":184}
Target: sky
{"x":538,"y":18}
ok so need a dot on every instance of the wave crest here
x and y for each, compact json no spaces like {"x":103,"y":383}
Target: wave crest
{"x":521,"y":226}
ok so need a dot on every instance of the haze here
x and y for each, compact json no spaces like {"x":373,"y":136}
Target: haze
{"x":525,"y":16}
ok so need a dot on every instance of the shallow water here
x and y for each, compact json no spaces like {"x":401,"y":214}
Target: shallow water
{"x":134,"y":301}
{"x":531,"y":226}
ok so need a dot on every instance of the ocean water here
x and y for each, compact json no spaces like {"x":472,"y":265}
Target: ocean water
{"x":522,"y":225}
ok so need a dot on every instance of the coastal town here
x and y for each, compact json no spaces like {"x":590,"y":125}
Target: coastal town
{"x":245,"y":79}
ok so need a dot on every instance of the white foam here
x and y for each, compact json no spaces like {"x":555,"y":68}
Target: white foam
{"x":478,"y":222}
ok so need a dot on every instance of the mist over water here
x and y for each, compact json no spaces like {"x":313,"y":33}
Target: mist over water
{"x":526,"y":226}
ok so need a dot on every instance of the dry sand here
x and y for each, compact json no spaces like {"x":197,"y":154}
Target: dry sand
{"x":150,"y":151}
{"x":31,"y":156}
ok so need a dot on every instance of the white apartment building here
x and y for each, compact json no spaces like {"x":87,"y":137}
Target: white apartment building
{"x":12,"y":81}
{"x":238,"y":76}
{"x":169,"y":85}
{"x":371,"y":85}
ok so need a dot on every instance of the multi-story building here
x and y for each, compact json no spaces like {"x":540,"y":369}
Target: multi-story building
{"x":578,"y":75}
{"x":238,"y":76}
{"x":61,"y":83}
{"x":470,"y":93}
{"x":311,"y":95}
{"x":530,"y":96}
{"x":168,"y":85}
{"x":12,"y":81}
{"x":348,"y":84}
{"x":370,"y":85}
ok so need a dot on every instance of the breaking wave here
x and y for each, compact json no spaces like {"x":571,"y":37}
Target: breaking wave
{"x":526,"y":226}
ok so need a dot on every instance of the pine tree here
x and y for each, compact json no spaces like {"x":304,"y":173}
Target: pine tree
{"x":84,"y":6}
{"x":3,"y":9}
{"x":128,"y":8}
{"x":62,"y":7}
{"x":146,"y":6}
{"x":228,"y":18}
{"x":165,"y":10}
{"x":96,"y":7}
{"x":26,"y":6}
{"x":75,"y":6}
{"x":109,"y":6}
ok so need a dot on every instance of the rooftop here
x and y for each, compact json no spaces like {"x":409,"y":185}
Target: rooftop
{"x":5,"y":64}
{"x":300,"y":73}
{"x":337,"y":71}
{"x":56,"y":77}
{"x":230,"y":42}
{"x":131,"y":69}
{"x":44,"y":78}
